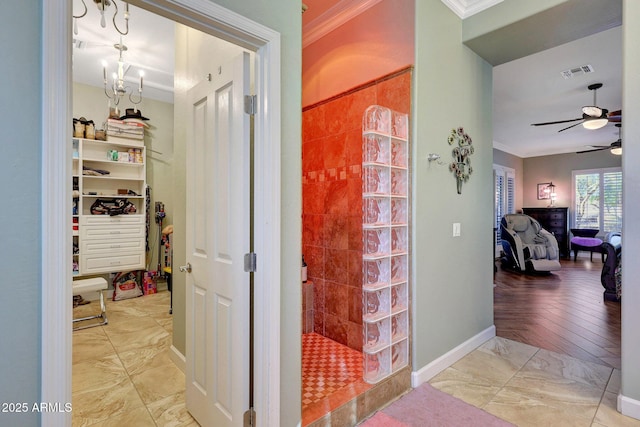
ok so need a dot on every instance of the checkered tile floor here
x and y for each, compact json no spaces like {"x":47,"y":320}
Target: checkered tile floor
{"x":327,"y":367}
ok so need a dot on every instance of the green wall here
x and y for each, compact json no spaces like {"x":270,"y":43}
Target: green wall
{"x":558,"y":168}
{"x":631,"y":203}
{"x":20,"y":230}
{"x":452,"y":289}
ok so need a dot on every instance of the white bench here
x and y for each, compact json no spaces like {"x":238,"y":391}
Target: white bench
{"x":96,"y":284}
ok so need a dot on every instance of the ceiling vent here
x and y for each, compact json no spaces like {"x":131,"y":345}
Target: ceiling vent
{"x":574,"y":72}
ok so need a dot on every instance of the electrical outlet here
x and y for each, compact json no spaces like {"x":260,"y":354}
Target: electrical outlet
{"x":456,"y":229}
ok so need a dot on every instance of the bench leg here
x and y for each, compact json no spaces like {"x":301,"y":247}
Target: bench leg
{"x":102,"y":315}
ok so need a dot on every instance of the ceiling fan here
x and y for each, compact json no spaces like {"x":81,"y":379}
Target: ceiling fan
{"x":615,"y":147}
{"x":593,"y":117}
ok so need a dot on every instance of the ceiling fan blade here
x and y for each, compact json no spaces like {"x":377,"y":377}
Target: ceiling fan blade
{"x":556,"y":122}
{"x":569,"y":127}
{"x":615,"y":116}
{"x":595,"y":149}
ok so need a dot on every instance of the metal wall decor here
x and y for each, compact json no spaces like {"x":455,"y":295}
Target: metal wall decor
{"x":461,"y":164}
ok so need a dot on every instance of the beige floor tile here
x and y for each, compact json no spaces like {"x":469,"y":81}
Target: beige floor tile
{"x":157,"y":383}
{"x":171,"y":411}
{"x":139,"y":417}
{"x":136,"y":361}
{"x":119,"y":324}
{"x":558,"y":372}
{"x":608,"y":414}
{"x":125,"y":308}
{"x":166,"y":323}
{"x":495,"y":362}
{"x":528,"y":408}
{"x":105,"y":401}
{"x":153,"y":337}
{"x":91,"y":344}
{"x":91,"y":373}
{"x":464,"y":386}
{"x":615,"y":381}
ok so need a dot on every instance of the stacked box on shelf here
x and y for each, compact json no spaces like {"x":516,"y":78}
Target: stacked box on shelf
{"x":385,"y":185}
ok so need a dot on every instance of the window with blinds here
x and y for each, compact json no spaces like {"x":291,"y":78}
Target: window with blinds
{"x":597,"y":199}
{"x":505,"y":189}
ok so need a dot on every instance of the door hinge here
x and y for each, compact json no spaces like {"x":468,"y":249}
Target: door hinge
{"x":250,"y":104}
{"x":250,"y":418}
{"x":250,"y":262}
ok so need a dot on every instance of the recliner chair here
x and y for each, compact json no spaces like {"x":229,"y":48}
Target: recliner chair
{"x":527,"y":246}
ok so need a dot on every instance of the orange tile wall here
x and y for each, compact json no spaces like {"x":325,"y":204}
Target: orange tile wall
{"x":332,"y":202}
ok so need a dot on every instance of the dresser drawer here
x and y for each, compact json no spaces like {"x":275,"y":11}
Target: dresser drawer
{"x":93,"y":264}
{"x":111,"y":246}
{"x":112,"y":231}
{"x":556,"y":216}
{"x":106,"y":219}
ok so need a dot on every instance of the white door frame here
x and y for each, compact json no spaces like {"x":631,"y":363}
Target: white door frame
{"x":56,"y":277}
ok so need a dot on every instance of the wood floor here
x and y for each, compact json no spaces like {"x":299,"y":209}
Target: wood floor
{"x":562,"y":312}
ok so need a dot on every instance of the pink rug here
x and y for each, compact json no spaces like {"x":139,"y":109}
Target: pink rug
{"x":427,"y":407}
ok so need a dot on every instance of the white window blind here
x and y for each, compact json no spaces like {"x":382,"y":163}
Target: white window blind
{"x":505,"y":195}
{"x":597,"y":199}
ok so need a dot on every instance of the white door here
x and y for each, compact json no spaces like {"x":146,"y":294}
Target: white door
{"x":217,"y":237}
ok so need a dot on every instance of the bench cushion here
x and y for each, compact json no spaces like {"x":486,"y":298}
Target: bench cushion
{"x":587,"y":242}
{"x":89,"y":285}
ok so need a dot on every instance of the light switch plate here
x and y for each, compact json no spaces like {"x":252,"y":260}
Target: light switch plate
{"x":456,"y":229}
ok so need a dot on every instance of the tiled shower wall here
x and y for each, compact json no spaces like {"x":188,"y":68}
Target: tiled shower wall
{"x":332,"y":203}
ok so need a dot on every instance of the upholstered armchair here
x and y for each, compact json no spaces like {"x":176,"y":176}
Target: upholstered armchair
{"x":611,"y":269}
{"x":527,"y":246}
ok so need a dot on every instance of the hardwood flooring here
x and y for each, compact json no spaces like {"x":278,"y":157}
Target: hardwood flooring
{"x":562,"y":312}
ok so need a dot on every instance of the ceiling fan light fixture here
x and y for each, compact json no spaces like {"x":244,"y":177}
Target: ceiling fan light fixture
{"x":617,"y":151}
{"x":593,"y":124}
{"x":592,"y":110}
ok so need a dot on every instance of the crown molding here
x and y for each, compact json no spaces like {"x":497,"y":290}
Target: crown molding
{"x":467,"y":8}
{"x":334,"y":17}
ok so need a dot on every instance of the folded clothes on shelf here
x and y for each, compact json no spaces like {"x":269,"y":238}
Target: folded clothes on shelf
{"x":95,"y":172}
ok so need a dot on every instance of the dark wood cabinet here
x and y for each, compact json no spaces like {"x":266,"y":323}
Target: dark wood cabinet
{"x":556,"y":222}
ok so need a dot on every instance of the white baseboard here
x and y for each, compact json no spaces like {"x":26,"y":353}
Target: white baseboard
{"x":629,"y":407}
{"x":178,"y":358}
{"x":429,"y":371}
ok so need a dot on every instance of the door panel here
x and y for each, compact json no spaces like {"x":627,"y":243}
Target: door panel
{"x":217,"y":356}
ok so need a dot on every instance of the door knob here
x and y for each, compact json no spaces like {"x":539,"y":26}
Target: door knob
{"x":186,"y":268}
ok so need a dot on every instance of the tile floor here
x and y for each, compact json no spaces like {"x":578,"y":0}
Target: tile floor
{"x":331,"y":376}
{"x":122,"y":373}
{"x":528,"y":386}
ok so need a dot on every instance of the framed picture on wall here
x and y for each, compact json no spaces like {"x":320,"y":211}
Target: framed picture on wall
{"x":543,"y":191}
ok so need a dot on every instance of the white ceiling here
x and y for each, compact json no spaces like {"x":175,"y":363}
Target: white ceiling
{"x":527,"y":90}
{"x":150,"y":44}
{"x":532,"y":90}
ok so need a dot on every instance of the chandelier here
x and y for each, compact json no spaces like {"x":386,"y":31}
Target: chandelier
{"x":117,"y":89}
{"x":102,"y":6}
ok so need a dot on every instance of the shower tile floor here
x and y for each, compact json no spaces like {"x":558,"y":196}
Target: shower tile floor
{"x":331,"y":376}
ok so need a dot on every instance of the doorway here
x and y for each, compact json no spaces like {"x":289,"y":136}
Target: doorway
{"x":56,"y":315}
{"x":340,"y":306}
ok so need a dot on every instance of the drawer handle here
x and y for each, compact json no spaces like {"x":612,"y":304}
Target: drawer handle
{"x":115,"y":246}
{"x":114,"y":232}
{"x":115,"y":263}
